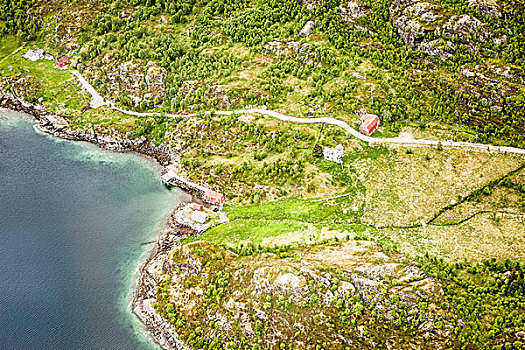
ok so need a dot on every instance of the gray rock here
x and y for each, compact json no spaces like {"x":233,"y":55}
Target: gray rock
{"x":486,"y":7}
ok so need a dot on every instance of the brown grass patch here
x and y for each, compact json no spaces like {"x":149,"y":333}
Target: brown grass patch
{"x":404,"y":189}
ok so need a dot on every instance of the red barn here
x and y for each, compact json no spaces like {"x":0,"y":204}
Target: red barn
{"x":62,"y":62}
{"x":214,"y":197}
{"x":369,"y":124}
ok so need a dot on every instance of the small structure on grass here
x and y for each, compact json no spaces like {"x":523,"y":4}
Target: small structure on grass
{"x":199,"y":216}
{"x":334,"y":154}
{"x":223,"y":218}
{"x":34,"y":55}
{"x":62,"y":62}
{"x":369,"y":124}
{"x":49,"y":56}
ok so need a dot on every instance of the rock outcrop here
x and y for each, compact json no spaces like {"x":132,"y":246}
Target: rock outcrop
{"x":351,"y":11}
{"x":232,"y":297}
{"x":486,"y":7}
{"x":430,"y":28}
{"x":137,"y":80}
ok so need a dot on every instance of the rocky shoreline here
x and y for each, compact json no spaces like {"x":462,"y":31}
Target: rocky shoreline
{"x":145,"y":295}
{"x":57,"y":126}
{"x":142,"y":304}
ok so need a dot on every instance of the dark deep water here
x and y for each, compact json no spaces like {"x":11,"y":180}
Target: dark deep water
{"x":72,"y":220}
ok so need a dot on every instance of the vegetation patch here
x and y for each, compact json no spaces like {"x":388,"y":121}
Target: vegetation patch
{"x":217,"y":299}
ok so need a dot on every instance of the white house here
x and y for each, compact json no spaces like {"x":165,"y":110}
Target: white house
{"x":334,"y":154}
{"x":34,"y":55}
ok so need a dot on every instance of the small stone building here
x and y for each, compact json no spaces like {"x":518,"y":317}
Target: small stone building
{"x":199,"y":216}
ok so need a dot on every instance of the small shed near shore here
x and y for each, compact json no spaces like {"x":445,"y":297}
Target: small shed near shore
{"x":196,"y":206}
{"x":214,"y":197}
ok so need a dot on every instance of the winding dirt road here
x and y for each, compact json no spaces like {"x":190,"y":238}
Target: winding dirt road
{"x":98,"y":101}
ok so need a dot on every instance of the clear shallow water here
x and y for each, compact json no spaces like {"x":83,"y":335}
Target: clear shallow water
{"x":72,"y":220}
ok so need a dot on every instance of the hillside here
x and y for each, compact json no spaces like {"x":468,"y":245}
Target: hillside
{"x":442,"y":70}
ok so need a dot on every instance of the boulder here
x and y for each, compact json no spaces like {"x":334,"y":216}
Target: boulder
{"x":486,"y":7}
{"x":427,"y":27}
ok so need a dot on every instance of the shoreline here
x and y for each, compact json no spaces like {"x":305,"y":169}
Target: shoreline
{"x":141,"y":306}
{"x":144,"y":295}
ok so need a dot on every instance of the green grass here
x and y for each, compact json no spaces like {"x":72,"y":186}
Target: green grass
{"x":56,"y":87}
{"x":241,"y":231}
{"x":8,"y":44}
{"x":42,"y":69}
{"x":331,"y":210}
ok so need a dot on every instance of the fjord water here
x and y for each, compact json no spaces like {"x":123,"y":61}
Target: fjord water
{"x":74,"y":220}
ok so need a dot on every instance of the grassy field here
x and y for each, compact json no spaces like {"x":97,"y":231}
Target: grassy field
{"x":8,"y":44}
{"x":410,"y":185}
{"x":239,"y":232}
{"x":486,"y":235}
{"x":388,"y":190}
{"x":55,"y":88}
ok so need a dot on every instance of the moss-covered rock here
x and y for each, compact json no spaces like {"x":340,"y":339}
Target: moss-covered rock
{"x":337,"y":294}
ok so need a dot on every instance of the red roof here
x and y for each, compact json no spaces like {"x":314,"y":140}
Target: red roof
{"x":369,"y":124}
{"x":214,"y":197}
{"x":196,"y":206}
{"x":62,"y":61}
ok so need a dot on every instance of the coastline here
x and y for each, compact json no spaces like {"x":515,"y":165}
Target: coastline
{"x":160,"y":330}
{"x":144,"y":295}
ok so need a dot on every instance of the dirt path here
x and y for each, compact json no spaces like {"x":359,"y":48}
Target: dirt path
{"x":98,"y":101}
{"x":11,"y":54}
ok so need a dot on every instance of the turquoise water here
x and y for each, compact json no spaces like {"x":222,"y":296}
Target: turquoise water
{"x":74,"y":223}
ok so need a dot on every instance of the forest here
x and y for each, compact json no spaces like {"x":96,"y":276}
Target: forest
{"x":17,"y":18}
{"x":400,"y":96}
